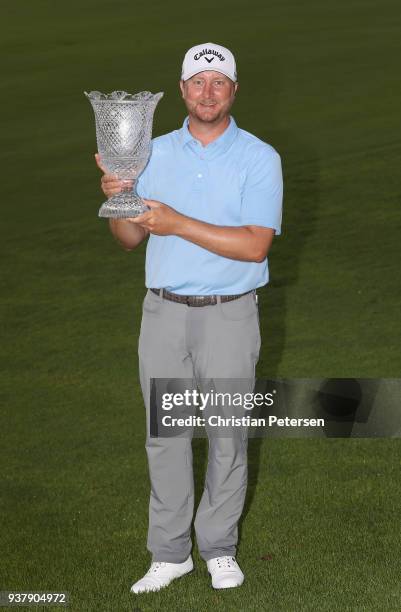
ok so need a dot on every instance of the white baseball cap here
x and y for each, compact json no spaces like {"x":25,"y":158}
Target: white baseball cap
{"x":209,"y":57}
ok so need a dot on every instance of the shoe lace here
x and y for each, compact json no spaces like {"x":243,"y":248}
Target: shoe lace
{"x":226,"y":562}
{"x":156,"y":565}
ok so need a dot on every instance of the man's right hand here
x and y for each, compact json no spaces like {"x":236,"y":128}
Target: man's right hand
{"x":128,"y":234}
{"x":110,"y":183}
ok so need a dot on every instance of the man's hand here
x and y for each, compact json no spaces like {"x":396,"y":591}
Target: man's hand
{"x":110,"y":183}
{"x":128,"y":235}
{"x":161,"y":219}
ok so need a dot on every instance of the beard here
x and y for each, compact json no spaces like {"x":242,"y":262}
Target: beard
{"x":209,"y":111}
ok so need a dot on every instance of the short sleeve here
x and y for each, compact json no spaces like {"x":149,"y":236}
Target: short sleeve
{"x":262,"y":196}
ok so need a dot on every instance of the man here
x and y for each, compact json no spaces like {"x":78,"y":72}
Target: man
{"x":215,"y":196}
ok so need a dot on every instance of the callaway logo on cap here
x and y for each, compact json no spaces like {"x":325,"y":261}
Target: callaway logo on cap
{"x":208,"y":57}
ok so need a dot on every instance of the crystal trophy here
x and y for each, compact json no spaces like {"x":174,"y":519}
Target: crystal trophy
{"x":123,"y":132}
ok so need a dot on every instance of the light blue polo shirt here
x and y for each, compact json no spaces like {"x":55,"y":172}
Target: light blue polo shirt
{"x":235,"y":180}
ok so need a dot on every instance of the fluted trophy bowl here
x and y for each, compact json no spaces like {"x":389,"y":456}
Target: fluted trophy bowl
{"x":123,"y":132}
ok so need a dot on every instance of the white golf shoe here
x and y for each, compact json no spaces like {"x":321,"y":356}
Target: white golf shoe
{"x":160,"y":575}
{"x":225,"y":572}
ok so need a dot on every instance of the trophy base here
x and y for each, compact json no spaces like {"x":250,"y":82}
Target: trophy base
{"x":123,"y":205}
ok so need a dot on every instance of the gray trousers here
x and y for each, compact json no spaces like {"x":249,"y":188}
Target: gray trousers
{"x":208,"y":342}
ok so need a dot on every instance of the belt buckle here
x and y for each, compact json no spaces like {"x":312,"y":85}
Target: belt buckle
{"x":194,"y":300}
{"x":199,"y":300}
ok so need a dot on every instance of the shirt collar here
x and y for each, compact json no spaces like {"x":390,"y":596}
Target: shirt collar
{"x":218,"y":146}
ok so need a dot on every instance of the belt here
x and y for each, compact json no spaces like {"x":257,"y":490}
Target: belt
{"x":196,"y":300}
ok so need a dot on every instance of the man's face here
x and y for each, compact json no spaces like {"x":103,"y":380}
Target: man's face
{"x":208,"y":95}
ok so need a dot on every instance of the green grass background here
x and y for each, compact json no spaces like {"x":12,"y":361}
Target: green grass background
{"x":320,"y":82}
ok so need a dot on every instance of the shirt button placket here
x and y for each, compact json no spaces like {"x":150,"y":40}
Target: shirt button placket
{"x":201,"y":172}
